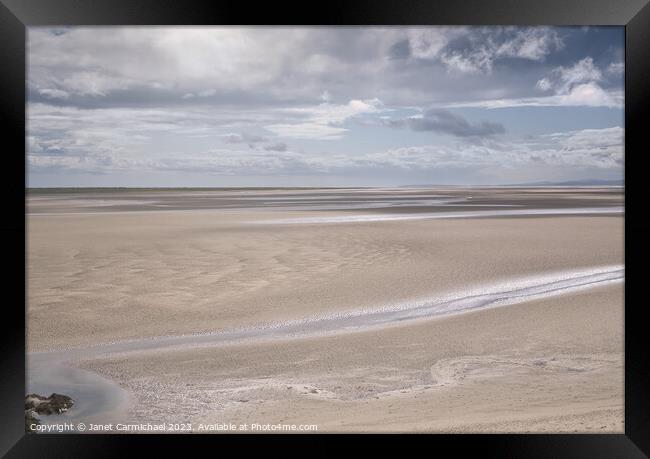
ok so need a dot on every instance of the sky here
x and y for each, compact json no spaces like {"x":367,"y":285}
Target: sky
{"x":323,"y":106}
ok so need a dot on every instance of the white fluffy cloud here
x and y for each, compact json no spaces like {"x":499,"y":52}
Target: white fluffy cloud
{"x":563,"y":79}
{"x":575,"y":85}
{"x":533,"y":43}
{"x":598,"y":148}
{"x":429,"y":42}
{"x":324,"y":121}
{"x":579,"y":84}
{"x":616,"y":68}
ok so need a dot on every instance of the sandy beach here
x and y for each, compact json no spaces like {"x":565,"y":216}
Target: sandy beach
{"x":548,"y":366}
{"x":111,"y":267}
{"x":325,"y":229}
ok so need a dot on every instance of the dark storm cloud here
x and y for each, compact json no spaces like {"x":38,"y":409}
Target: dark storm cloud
{"x":446,"y":122}
{"x":276,"y":147}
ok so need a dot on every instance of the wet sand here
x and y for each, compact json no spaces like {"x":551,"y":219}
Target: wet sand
{"x":546,"y":366}
{"x":393,"y":200}
{"x":111,"y":266}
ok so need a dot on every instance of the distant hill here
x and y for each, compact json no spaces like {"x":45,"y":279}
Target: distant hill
{"x":586,"y":182}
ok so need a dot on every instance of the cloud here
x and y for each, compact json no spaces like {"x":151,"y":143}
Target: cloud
{"x":583,"y":95}
{"x":276,"y":147}
{"x":587,"y":149}
{"x":446,"y":122}
{"x":576,"y":85}
{"x":475,"y":51}
{"x":283,"y":64}
{"x":603,"y":148}
{"x":53,"y":93}
{"x":324,"y":121}
{"x":244,"y":138}
{"x":217,"y":161}
{"x":590,"y":95}
{"x":436,"y":157}
{"x":477,"y":61}
{"x":312,"y":131}
{"x":230,"y":100}
{"x":563,"y":79}
{"x":429,"y":42}
{"x":225,"y":162}
{"x":616,"y":68}
{"x":544,"y":84}
{"x":533,"y":43}
{"x":278,"y":65}
{"x":255,"y":142}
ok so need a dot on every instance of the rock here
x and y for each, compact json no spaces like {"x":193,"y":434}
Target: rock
{"x":54,"y":404}
{"x":30,"y":420}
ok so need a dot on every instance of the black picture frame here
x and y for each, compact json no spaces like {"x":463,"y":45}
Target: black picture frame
{"x":16,"y":15}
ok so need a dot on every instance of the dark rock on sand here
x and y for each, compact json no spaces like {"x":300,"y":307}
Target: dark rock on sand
{"x":30,"y":420}
{"x":37,"y":404}
{"x":54,"y":404}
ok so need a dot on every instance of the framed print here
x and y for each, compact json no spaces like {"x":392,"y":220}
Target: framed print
{"x":371,"y":219}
